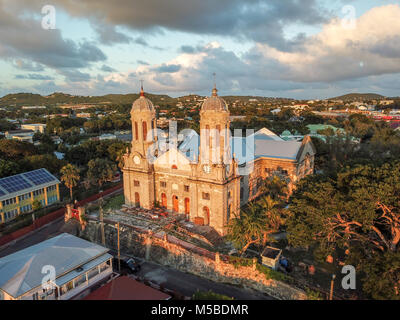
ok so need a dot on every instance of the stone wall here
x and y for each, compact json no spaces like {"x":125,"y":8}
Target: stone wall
{"x":159,"y":249}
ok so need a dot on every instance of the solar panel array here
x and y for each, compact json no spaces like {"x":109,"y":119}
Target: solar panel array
{"x":25,"y":180}
{"x":14,"y":183}
{"x":39,"y":176}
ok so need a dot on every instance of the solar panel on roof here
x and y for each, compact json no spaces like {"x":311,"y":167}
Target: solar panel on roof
{"x":39,"y":176}
{"x":2,"y":193}
{"x":14,"y":183}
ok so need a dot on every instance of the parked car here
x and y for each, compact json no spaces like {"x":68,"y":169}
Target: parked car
{"x":127,"y":264}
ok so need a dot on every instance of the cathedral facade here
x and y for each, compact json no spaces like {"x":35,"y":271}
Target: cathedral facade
{"x":205,"y":185}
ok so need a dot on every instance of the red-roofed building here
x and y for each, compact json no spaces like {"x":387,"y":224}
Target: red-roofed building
{"x":126,"y":288}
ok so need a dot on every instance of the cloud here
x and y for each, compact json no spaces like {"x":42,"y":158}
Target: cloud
{"x":257,"y":20}
{"x":27,"y":65}
{"x":22,"y":38}
{"x":171,"y":68}
{"x":33,"y":76}
{"x":106,"y":68}
{"x":338,"y":53}
{"x":108,"y":34}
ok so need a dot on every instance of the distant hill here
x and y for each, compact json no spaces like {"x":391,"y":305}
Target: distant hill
{"x":58,"y":98}
{"x":359,"y":96}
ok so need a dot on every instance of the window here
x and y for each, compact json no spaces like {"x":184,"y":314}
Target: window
{"x":136,"y":131}
{"x":51,"y":188}
{"x":163,"y":184}
{"x":206,"y":196}
{"x":80,"y":280}
{"x":92,"y":273}
{"x":186,"y":188}
{"x":24,"y":197}
{"x":136,"y":183}
{"x":37,"y":192}
{"x":229,"y":194}
{"x":144,"y":126}
{"x":9,"y":201}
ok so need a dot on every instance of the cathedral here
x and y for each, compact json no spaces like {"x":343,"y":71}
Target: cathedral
{"x":203,"y":177}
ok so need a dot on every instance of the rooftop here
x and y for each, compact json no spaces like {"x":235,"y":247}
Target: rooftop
{"x":21,"y":271}
{"x":125,"y":288}
{"x":18,"y":184}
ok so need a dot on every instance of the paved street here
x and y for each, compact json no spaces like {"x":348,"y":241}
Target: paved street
{"x":48,"y":231}
{"x":187,"y":284}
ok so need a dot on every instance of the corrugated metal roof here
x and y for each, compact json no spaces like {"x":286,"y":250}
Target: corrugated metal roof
{"x":21,"y":271}
{"x":264,"y":143}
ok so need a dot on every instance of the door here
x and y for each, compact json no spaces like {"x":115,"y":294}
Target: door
{"x":175,"y":203}
{"x":137,"y":199}
{"x":163,"y":200}
{"x":187,"y":208}
{"x":206,"y":216}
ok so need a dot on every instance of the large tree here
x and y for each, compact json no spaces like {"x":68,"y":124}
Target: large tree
{"x":101,"y":171}
{"x":359,"y":212}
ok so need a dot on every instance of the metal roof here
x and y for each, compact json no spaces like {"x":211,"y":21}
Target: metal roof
{"x":22,"y":183}
{"x":264,"y":143}
{"x":21,"y":271}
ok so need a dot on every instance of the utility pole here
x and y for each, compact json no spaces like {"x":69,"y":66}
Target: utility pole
{"x":103,"y":240}
{"x":119,"y":256}
{"x":331,"y":293}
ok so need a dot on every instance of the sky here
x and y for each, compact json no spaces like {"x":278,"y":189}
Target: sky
{"x":302,"y":49}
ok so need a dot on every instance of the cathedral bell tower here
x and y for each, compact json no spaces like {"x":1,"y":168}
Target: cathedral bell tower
{"x":138,"y":170}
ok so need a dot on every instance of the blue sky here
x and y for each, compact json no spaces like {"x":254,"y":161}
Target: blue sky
{"x":294,"y":48}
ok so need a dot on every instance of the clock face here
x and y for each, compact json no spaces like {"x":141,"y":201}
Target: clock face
{"x":136,"y":160}
{"x":206,"y":169}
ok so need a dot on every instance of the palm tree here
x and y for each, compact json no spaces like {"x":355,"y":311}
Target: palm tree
{"x":70,"y":177}
{"x":247,"y":229}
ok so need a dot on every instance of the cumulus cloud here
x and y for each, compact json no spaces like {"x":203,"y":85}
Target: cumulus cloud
{"x":258,"y":20}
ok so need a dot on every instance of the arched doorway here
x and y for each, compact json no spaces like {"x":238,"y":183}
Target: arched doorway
{"x":137,"y":199}
{"x":187,"y":208}
{"x":175,"y":203}
{"x":206,"y":216}
{"x":163,"y":200}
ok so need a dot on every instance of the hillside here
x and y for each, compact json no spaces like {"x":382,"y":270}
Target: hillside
{"x":359,"y":97}
{"x":57,"y":98}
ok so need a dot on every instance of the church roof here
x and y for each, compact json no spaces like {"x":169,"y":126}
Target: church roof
{"x":214,"y":103}
{"x":264,"y":146}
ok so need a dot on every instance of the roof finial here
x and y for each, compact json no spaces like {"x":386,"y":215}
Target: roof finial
{"x":214,"y":91}
{"x":141,"y":88}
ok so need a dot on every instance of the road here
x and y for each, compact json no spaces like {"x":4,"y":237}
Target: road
{"x":187,"y":284}
{"x":184,"y":283}
{"x":46,"y":232}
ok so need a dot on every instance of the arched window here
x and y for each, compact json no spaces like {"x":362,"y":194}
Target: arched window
{"x":136,"y":131}
{"x":144,"y":126}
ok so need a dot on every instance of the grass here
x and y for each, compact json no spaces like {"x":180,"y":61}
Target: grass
{"x":114,"y":203}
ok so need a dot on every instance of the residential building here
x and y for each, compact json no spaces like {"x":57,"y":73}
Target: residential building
{"x":77,"y":266}
{"x":18,"y":192}
{"x":36,"y":127}
{"x":20,"y":135}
